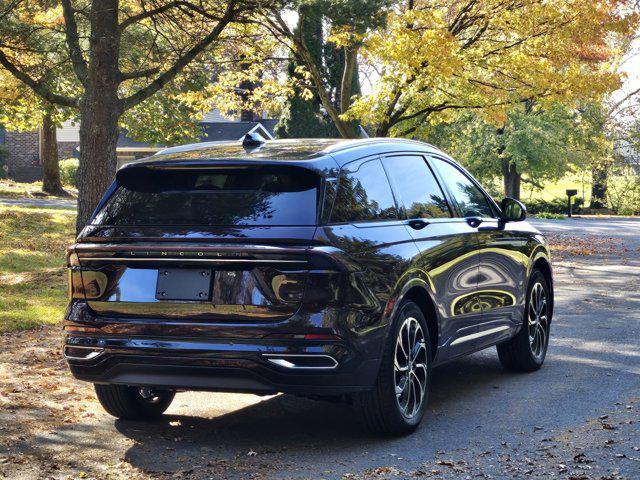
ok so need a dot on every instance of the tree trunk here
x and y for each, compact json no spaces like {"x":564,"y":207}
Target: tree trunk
{"x":599,"y":187}
{"x":346,"y":87}
{"x":99,"y":111}
{"x":49,"y":156}
{"x":512,"y":180}
{"x":346,"y":129}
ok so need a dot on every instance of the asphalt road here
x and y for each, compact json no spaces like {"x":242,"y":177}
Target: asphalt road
{"x":625,"y":227}
{"x":39,"y":202}
{"x":578,"y":417}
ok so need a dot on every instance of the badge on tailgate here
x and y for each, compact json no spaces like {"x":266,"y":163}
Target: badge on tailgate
{"x":183,"y":284}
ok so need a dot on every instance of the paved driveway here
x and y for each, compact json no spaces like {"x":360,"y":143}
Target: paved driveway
{"x":615,"y":227}
{"x":39,"y":202}
{"x":576,"y":418}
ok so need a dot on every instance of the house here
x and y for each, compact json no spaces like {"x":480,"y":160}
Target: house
{"x":626,"y":153}
{"x":23,"y":163}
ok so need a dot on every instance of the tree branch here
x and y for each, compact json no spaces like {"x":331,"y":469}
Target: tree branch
{"x":162,"y":9}
{"x":37,"y":86}
{"x":532,"y":182}
{"x":180,"y":64}
{"x":613,"y":110}
{"x":147,"y":14}
{"x":139,"y":73}
{"x":350,"y":65}
{"x":73,"y":42}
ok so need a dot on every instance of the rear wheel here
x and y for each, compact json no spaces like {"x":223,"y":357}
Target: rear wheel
{"x":527,"y":350}
{"x":397,"y":403}
{"x":133,"y":403}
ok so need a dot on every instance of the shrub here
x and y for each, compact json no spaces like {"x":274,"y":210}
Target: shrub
{"x":557,"y":205}
{"x":550,"y":216}
{"x":69,"y":172}
{"x":623,"y":191}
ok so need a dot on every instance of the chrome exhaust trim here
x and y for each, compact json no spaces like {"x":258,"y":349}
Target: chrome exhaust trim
{"x":288,"y":360}
{"x":92,"y":353}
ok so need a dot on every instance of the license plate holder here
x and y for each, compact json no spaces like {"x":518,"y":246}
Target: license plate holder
{"x":184,"y":284}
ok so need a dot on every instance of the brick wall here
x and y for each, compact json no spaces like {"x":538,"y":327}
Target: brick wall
{"x":23,"y":159}
{"x":67,"y":150}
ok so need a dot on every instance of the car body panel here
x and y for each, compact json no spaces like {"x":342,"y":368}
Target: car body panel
{"x":302,"y":291}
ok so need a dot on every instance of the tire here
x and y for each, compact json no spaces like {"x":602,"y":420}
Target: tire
{"x":133,"y":403}
{"x":523,"y":353}
{"x":380,"y":409}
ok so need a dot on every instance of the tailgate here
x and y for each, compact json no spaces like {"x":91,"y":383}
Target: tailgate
{"x":194,"y":282}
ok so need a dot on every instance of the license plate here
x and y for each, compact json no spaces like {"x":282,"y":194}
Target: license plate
{"x":183,"y":284}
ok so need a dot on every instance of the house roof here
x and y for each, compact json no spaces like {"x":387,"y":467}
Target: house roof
{"x":221,"y":131}
{"x":211,"y":131}
{"x":126,"y":142}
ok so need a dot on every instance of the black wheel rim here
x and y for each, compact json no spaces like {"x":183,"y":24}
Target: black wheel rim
{"x":538,"y":321}
{"x":410,"y":368}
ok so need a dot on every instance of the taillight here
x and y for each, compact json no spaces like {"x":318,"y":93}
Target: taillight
{"x":72,"y":259}
{"x":81,"y":329}
{"x":74,"y":276}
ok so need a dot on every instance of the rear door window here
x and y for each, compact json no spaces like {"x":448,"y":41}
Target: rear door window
{"x":416,"y":187}
{"x":218,"y":197}
{"x":364,"y":194}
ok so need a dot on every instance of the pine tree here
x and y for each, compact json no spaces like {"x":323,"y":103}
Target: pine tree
{"x":303,"y":118}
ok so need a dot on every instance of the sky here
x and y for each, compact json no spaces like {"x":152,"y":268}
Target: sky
{"x":631,"y":67}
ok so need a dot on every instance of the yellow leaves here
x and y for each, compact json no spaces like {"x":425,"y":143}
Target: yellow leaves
{"x":489,"y":54}
{"x":49,"y":18}
{"x":39,"y":15}
{"x":345,"y":36}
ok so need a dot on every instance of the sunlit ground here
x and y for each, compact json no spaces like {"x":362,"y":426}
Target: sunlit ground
{"x":32,"y":265}
{"x":11,"y":189}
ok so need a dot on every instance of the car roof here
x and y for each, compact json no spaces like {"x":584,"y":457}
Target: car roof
{"x":323,"y":155}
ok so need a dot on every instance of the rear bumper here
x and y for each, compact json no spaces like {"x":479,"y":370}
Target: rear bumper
{"x":309,"y":368}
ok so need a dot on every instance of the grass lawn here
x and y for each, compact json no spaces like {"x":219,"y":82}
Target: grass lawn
{"x":580,"y":181}
{"x":33,"y":283}
{"x":11,"y":189}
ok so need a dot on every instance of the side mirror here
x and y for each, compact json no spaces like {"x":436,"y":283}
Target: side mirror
{"x":512,"y":210}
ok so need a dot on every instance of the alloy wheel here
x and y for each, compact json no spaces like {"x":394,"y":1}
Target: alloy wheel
{"x":410,"y":367}
{"x":538,"y":320}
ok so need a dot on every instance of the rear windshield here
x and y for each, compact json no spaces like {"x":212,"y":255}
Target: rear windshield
{"x":220,"y":197}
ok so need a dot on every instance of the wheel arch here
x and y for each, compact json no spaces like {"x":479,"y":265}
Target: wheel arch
{"x":417,"y":291}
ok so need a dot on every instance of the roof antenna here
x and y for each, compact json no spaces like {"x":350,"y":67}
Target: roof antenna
{"x":252,"y":141}
{"x":363,"y":133}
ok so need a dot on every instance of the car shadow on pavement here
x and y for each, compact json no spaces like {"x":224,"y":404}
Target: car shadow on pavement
{"x":289,"y":426}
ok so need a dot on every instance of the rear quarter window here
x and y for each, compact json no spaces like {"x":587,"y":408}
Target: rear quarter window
{"x":364,"y":194}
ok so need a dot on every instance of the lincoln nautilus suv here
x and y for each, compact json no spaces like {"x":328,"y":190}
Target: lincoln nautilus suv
{"x":341,"y":269}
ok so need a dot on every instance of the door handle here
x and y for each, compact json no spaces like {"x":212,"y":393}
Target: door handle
{"x":474,"y":221}
{"x":417,"y":224}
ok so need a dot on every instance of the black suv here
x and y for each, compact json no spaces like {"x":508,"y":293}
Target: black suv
{"x":323,"y":268}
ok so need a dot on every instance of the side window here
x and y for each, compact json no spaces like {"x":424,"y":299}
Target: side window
{"x":364,"y":194}
{"x":470,"y":199}
{"x":417,"y":187}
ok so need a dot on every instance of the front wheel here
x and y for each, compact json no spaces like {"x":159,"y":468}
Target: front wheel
{"x":397,"y":403}
{"x":527,"y":350}
{"x":133,"y":403}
